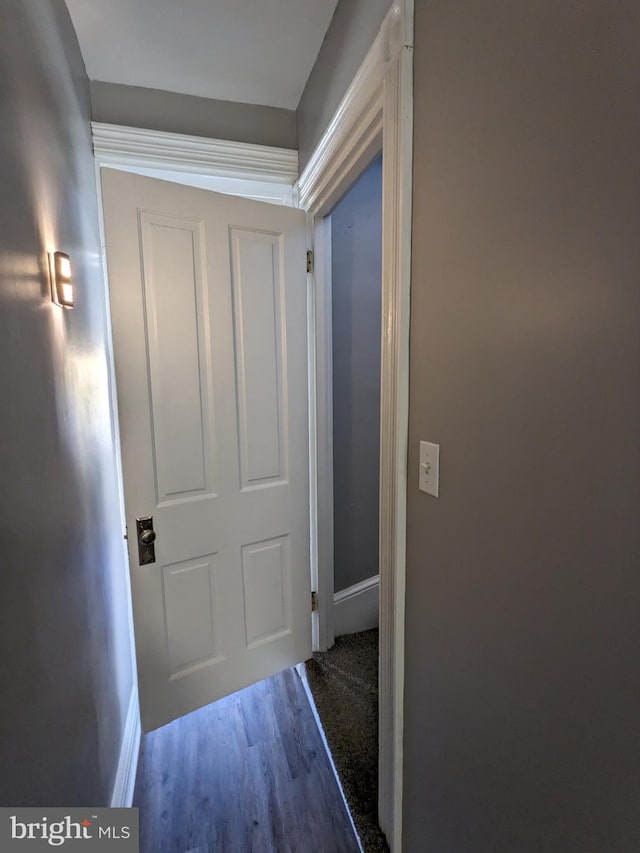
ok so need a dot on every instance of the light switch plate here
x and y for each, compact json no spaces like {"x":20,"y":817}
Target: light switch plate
{"x":429,"y":478}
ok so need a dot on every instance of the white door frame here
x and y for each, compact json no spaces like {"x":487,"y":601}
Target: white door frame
{"x":375,"y":113}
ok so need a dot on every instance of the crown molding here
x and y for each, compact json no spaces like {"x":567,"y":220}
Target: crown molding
{"x":117,"y":145}
{"x":360,"y":111}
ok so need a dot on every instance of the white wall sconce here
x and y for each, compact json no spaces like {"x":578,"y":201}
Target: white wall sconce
{"x":61,"y":279}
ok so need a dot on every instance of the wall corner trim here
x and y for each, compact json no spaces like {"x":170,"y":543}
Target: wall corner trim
{"x":122,"y":796}
{"x":117,"y":145}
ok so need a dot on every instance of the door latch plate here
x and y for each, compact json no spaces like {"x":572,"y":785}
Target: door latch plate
{"x":146,"y":539}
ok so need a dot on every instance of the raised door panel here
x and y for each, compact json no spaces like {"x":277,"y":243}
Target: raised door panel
{"x":178,"y":347}
{"x":192,"y":615}
{"x":256,"y":279}
{"x":267,"y":584}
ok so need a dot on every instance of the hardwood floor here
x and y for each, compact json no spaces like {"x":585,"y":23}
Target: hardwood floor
{"x":247,"y":774}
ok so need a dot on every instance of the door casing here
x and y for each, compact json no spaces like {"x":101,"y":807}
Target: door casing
{"x":375,"y":114}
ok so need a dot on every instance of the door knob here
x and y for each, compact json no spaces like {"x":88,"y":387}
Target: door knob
{"x":146,"y":538}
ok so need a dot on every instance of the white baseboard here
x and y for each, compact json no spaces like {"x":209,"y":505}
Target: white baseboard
{"x":356,"y":608}
{"x":122,"y":796}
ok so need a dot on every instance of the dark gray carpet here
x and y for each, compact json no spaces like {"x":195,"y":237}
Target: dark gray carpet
{"x":344,"y":683}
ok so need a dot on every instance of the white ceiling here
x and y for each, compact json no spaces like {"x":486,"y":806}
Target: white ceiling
{"x":254,"y":51}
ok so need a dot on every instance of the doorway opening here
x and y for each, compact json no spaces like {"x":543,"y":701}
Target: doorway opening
{"x":356,"y":297}
{"x":344,"y":679}
{"x":208,"y":309}
{"x":377,"y":106}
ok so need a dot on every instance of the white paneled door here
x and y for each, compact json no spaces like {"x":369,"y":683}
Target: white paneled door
{"x":209,"y":315}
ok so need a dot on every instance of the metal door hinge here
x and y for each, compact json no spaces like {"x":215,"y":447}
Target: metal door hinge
{"x":314,"y":601}
{"x":309,"y":261}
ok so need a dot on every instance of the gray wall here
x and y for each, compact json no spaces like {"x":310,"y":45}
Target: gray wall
{"x":66,"y":664}
{"x":523,"y":579}
{"x":171,"y":112}
{"x":354,"y":26}
{"x":356,"y":275}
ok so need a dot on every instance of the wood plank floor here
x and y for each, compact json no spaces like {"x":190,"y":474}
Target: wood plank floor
{"x":247,"y":774}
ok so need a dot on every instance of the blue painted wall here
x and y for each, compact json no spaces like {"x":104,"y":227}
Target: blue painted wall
{"x":356,"y":255}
